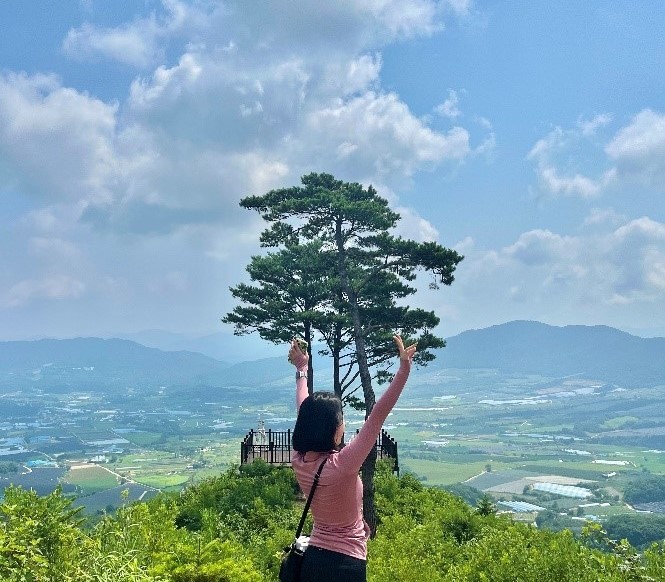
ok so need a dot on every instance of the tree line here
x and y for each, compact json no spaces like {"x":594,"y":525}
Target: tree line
{"x":232,"y":528}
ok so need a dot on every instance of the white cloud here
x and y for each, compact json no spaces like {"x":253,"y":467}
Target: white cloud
{"x":127,"y":201}
{"x":415,"y":227}
{"x":605,"y":274}
{"x":549,"y":152}
{"x":538,"y":247}
{"x":405,"y":19}
{"x":461,"y":7}
{"x":544,"y":145}
{"x":139,"y":43}
{"x":71,"y":153}
{"x":466,"y":245}
{"x":309,"y":27}
{"x":450,"y":107}
{"x":483,"y":122}
{"x":589,"y":127}
{"x":641,"y":229}
{"x":387,"y":139}
{"x":131,"y":44}
{"x":54,"y":287}
{"x":636,"y":154}
{"x":602,"y":216}
{"x":195,"y":137}
{"x":248,"y":105}
{"x":620,"y":265}
{"x":357,"y":75}
{"x":57,"y":144}
{"x":638,"y":150}
{"x":654,"y":262}
{"x":301,"y":115}
{"x":487,"y":146}
{"x":337,"y":25}
{"x":570,"y":185}
{"x":166,"y":83}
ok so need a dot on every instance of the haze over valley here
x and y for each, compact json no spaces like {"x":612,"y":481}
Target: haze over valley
{"x":511,"y":410}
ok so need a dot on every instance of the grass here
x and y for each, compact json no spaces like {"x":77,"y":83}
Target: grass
{"x":441,"y":473}
{"x":581,"y":470}
{"x":91,"y":479}
{"x":163,"y":481}
{"x":618,"y":422}
{"x":142,"y":439}
{"x":653,"y":462}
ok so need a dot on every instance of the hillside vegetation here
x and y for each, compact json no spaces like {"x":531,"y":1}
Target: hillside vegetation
{"x":232,"y":528}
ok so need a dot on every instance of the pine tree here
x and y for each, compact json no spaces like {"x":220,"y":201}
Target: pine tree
{"x":351,"y":225}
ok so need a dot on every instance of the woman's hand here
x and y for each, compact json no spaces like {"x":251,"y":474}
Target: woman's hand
{"x":297,"y":357}
{"x":405,"y":354}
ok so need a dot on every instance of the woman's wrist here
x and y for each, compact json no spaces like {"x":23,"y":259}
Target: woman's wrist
{"x":301,"y":363}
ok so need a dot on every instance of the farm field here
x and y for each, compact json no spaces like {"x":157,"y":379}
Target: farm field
{"x":501,"y":439}
{"x":445,"y":473}
{"x":42,"y":480}
{"x":114,"y":497}
{"x":496,"y":433}
{"x":164,"y":482}
{"x":90,"y":478}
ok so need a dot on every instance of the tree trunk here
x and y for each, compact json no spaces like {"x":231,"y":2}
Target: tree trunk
{"x":368,"y":467}
{"x":337,"y":381}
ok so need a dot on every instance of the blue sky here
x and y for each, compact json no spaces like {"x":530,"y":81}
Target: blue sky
{"x":529,"y":135}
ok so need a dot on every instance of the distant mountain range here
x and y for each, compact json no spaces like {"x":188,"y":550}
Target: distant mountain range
{"x":221,"y":345}
{"x":96,"y":364}
{"x":598,"y":353}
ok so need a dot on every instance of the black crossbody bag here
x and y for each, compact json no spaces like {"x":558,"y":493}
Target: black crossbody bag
{"x":289,"y":571}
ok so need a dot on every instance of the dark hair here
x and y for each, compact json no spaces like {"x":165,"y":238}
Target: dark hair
{"x":319,"y":416}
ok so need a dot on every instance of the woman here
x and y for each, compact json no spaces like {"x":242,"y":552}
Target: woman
{"x":338,"y":543}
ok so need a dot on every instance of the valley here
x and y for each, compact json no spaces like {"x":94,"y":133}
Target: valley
{"x":513,"y":436}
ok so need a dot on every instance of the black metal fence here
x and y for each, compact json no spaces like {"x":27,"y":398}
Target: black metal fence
{"x":386,"y":448}
{"x":274,"y":447}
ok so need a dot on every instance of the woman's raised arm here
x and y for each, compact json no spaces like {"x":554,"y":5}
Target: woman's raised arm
{"x":300,"y":360}
{"x":353,"y":455}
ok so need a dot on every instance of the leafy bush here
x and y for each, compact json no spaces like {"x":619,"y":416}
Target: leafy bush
{"x":233,"y":527}
{"x":38,"y":535}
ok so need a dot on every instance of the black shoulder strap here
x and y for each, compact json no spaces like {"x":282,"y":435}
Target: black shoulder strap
{"x":309,"y":499}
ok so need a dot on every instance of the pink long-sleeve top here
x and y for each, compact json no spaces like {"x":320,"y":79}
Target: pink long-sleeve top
{"x":338,"y":499}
